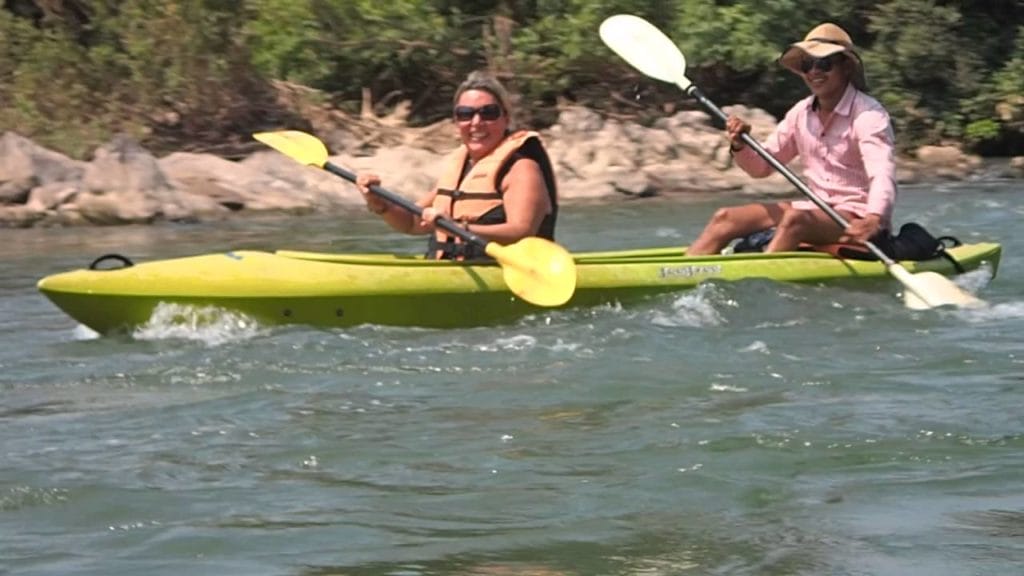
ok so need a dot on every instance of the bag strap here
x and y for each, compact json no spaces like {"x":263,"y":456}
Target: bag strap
{"x":950,"y":242}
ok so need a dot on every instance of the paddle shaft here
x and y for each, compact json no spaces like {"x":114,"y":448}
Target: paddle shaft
{"x":749,"y":140}
{"x":446,"y":224}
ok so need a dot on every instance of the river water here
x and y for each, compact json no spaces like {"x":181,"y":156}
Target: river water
{"x":752,"y":428}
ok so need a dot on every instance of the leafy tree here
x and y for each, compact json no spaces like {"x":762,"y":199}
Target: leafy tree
{"x":199,"y":73}
{"x":52,"y":87}
{"x":922,"y":81}
{"x":1000,"y":120}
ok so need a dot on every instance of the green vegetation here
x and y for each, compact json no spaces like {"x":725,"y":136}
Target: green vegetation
{"x":198,"y":73}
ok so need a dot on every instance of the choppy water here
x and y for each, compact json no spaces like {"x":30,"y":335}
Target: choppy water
{"x":753,"y":428}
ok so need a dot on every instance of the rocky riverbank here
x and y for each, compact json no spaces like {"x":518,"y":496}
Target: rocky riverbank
{"x":594,"y":157}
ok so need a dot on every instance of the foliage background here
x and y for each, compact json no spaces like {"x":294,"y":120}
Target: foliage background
{"x":199,"y":74}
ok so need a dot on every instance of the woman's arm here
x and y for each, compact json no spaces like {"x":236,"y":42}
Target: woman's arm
{"x":411,"y":224}
{"x":526,"y":201}
{"x":395,"y":216}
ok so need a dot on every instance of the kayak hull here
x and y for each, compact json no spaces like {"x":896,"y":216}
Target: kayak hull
{"x":336,"y":290}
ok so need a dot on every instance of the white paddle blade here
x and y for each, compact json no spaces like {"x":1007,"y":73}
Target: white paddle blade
{"x":645,"y":48}
{"x":926,"y":290}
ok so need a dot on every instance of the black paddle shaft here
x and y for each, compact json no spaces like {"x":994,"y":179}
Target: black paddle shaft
{"x":749,"y":140}
{"x":446,"y":224}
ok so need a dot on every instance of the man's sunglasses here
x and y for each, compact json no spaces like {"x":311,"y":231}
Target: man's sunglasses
{"x":824,"y":64}
{"x":487,"y":112}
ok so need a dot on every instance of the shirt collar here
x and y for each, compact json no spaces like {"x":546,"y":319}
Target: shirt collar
{"x":845,"y":106}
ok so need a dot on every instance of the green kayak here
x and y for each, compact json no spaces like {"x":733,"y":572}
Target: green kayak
{"x":286,"y":287}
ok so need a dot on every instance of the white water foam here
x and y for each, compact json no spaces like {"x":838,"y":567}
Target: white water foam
{"x":517,"y":342}
{"x":664,"y":232}
{"x":693,"y":309}
{"x":758,"y":346}
{"x":975,"y":280}
{"x":719,"y":387}
{"x":1003,"y":311}
{"x":210,"y":325}
{"x":83,"y":332}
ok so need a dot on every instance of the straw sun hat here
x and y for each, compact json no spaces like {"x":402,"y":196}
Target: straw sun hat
{"x":825,"y":40}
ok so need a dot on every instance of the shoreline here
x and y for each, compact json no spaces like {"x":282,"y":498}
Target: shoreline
{"x":595,"y":159}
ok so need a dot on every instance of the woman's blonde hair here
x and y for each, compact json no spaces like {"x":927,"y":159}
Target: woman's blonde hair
{"x":484,"y":81}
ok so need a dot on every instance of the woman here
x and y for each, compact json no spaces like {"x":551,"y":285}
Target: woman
{"x":498,"y":184}
{"x":845,"y":140}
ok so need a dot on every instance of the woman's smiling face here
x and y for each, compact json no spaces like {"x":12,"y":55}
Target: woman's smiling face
{"x":481,"y":136}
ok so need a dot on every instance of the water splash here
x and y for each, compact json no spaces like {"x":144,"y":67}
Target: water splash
{"x":83,"y":332}
{"x":665,"y":232}
{"x":693,"y":309}
{"x":758,"y":346}
{"x":517,"y":342}
{"x":210,"y":325}
{"x":20,"y":497}
{"x":975,"y":280}
{"x":1005,"y":311}
{"x":718,"y":387}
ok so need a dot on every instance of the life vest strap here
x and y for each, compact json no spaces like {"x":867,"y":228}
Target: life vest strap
{"x":461,"y":195}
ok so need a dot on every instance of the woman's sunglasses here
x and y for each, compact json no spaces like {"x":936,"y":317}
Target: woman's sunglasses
{"x":824,"y":64}
{"x":487,"y":112}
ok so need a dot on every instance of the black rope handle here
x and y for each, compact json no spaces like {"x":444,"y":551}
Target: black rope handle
{"x":125,"y":262}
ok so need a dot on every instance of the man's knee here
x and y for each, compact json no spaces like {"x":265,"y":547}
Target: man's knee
{"x":795,"y":219}
{"x":722,"y":216}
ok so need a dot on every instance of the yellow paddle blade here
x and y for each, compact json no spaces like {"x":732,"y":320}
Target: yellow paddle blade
{"x":300,"y":146}
{"x":926,"y":290}
{"x":537,"y":270}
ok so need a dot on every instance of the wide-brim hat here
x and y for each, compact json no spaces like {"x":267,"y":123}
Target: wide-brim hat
{"x":824,"y":40}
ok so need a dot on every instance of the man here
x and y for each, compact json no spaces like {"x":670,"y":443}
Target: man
{"x":846,"y":142}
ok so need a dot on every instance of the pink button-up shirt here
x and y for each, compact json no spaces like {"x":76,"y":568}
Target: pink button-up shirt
{"x":849,"y":162}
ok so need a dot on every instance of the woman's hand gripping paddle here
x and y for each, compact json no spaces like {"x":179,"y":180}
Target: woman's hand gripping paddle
{"x":648,"y":50}
{"x":536,"y":270}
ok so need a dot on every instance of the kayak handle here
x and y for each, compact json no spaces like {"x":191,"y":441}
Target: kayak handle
{"x":125,"y":262}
